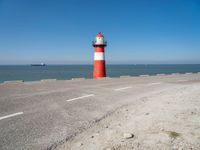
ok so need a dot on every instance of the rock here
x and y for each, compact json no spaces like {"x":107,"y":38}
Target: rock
{"x":146,"y":113}
{"x":191,"y":148}
{"x":161,"y":129}
{"x":180,"y":144}
{"x":81,"y":144}
{"x":128,"y":135}
{"x":192,"y":112}
{"x":92,"y":136}
{"x":175,"y":147}
{"x":109,"y":148}
{"x":180,"y":148}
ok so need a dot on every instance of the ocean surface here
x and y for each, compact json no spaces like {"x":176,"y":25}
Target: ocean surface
{"x":60,"y":72}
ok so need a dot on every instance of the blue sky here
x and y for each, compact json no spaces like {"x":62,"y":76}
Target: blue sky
{"x":137,"y":31}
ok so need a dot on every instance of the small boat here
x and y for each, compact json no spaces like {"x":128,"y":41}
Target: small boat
{"x":42,"y":64}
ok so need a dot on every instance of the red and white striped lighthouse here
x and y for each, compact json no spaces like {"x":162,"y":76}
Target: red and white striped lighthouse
{"x":99,"y":58}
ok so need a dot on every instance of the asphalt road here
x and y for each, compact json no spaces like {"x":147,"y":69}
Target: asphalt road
{"x":43,"y":114}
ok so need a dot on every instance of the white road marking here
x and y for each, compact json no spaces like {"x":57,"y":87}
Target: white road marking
{"x":155,"y":83}
{"x":69,"y":100}
{"x":124,"y":88}
{"x":11,"y":115}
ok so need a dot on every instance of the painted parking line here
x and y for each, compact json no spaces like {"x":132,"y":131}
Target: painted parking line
{"x":81,"y":97}
{"x":11,"y":115}
{"x":155,"y":83}
{"x":124,"y":88}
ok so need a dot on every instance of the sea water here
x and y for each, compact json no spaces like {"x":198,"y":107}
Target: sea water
{"x":60,"y":72}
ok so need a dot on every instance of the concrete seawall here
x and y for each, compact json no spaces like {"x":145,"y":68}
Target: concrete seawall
{"x":124,"y":76}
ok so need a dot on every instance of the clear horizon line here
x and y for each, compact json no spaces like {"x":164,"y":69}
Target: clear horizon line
{"x":113,"y":64}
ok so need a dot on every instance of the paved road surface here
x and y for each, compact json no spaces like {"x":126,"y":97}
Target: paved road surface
{"x":40,"y":115}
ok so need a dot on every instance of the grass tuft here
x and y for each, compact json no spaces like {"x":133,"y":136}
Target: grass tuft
{"x":173,"y":134}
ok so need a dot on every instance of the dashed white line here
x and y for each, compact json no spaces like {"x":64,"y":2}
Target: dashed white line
{"x":124,"y":88}
{"x":155,"y":83}
{"x":11,"y":115}
{"x":85,"y":96}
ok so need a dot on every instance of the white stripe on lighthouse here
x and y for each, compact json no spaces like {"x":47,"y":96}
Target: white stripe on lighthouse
{"x":99,"y":56}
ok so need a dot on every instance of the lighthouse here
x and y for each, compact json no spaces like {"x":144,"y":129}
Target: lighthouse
{"x":99,"y":44}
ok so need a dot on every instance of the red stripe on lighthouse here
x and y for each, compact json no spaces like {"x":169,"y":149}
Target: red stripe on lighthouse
{"x":99,"y":69}
{"x":99,"y":49}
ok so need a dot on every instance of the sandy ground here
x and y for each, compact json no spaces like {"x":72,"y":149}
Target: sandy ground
{"x":165,"y":120}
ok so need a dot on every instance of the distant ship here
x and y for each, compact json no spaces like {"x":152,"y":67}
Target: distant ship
{"x":42,"y":64}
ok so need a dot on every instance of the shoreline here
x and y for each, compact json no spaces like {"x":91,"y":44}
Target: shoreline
{"x":67,"y":72}
{"x":82,"y":78}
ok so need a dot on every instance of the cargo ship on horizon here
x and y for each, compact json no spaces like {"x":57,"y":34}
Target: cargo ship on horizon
{"x":41,"y":64}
